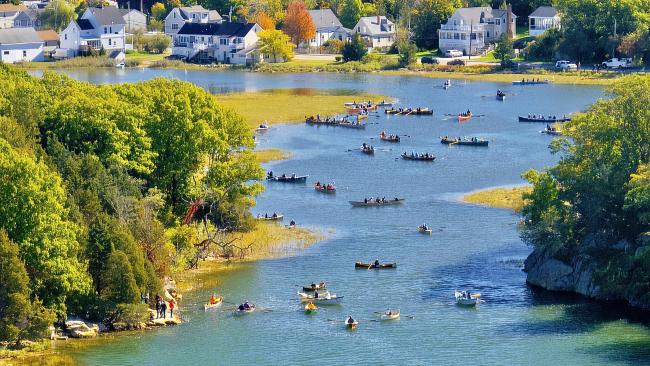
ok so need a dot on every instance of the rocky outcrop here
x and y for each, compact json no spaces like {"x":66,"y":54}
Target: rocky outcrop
{"x":79,"y":329}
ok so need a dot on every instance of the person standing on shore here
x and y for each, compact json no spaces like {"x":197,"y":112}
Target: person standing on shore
{"x":163,"y":309}
{"x":171,"y":308}
{"x":157,"y":306}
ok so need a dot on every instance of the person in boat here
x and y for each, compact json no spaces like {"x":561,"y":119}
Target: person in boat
{"x":365,"y":200}
{"x":241,"y":307}
{"x":292,"y":223}
{"x":284,"y":175}
{"x":396,"y":199}
{"x":318,"y":184}
{"x":270,"y":174}
{"x":293,"y":176}
{"x":247,"y":306}
{"x":376,"y":264}
{"x":388,"y":312}
{"x":350,"y":320}
{"x":266,"y":215}
{"x":275,"y":215}
{"x":213,"y":299}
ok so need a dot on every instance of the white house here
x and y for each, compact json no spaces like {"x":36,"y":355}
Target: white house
{"x":8,"y":13}
{"x":230,"y":43}
{"x":134,"y":20}
{"x":189,"y":14}
{"x":20,"y":45}
{"x":471,"y":30}
{"x":543,"y":19}
{"x":327,"y":27}
{"x":28,"y":18}
{"x":96,"y":29}
{"x":377,"y":31}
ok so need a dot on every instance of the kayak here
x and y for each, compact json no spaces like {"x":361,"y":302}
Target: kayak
{"x":424,"y":231}
{"x":239,"y":311}
{"x":392,"y":314}
{"x":311,"y":309}
{"x":209,"y":306}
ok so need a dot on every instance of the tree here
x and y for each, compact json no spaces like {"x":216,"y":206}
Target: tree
{"x":157,"y":43}
{"x":354,"y":50}
{"x":504,"y":51}
{"x":57,"y":15}
{"x":158,"y":11}
{"x":119,"y":283}
{"x":351,"y":12}
{"x":298,"y":23}
{"x":428,"y":16}
{"x":276,"y":44}
{"x":407,"y":54}
{"x":264,"y":20}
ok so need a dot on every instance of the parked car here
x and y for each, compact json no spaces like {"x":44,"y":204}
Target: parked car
{"x":453,"y":53}
{"x":566,"y":65}
{"x":428,"y":60}
{"x":456,"y":62}
{"x":617,"y":63}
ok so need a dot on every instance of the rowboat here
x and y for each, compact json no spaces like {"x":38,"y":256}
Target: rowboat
{"x":384,"y":103}
{"x":367,"y":149}
{"x":530,"y":82}
{"x":243,"y":310}
{"x":374,"y":202}
{"x":388,"y":138}
{"x":549,"y":119}
{"x":361,"y":108}
{"x":409,"y":111}
{"x":324,"y":298}
{"x":325,"y":188}
{"x":390,"y":314}
{"x":424,"y":230}
{"x":287,"y":179}
{"x":314,"y":287}
{"x":216,"y":304}
{"x":351,"y":323}
{"x":362,"y":265}
{"x":419,"y":157}
{"x":262,"y":128}
{"x":355,"y":125}
{"x":464,"y":117}
{"x":310,"y":308}
{"x":274,"y":217}
{"x":467,"y":299}
{"x":551,"y":131}
{"x":471,"y":142}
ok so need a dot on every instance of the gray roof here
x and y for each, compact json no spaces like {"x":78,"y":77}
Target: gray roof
{"x":544,"y":12}
{"x":475,"y":14}
{"x":324,"y":18}
{"x":214,"y":16}
{"x":19,"y":35}
{"x":193,"y":8}
{"x":108,"y":15}
{"x":372,"y":27}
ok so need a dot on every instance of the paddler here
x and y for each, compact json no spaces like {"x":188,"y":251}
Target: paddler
{"x":213,"y":299}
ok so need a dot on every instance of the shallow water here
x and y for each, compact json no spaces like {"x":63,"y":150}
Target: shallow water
{"x":472,"y":247}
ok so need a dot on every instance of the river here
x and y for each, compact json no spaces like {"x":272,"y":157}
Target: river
{"x":472,"y":247}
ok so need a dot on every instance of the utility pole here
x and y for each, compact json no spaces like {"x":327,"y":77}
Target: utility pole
{"x":614,"y":45}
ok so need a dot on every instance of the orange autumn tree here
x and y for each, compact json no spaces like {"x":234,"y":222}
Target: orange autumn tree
{"x":264,"y":20}
{"x":298,"y":23}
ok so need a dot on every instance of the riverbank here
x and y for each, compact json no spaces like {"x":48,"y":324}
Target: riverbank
{"x":505,"y":198}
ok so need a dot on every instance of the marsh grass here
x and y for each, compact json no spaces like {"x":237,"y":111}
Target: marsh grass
{"x":267,"y":155}
{"x":508,"y":198}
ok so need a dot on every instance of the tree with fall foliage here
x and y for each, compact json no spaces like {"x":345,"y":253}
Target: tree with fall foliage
{"x":264,"y":20}
{"x":298,"y":23}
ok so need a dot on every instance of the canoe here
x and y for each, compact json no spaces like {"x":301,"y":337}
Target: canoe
{"x":351,"y":324}
{"x":477,"y":142}
{"x":543,"y":119}
{"x":209,"y":306}
{"x":373,"y":203}
{"x":357,"y":109}
{"x":389,"y":138}
{"x":245,"y":311}
{"x":419,"y":157}
{"x":324,"y":189}
{"x":424,"y":231}
{"x":409,"y":111}
{"x":355,"y":125}
{"x":271,"y":218}
{"x":368,"y":149}
{"x":310,"y":289}
{"x":473,"y":300}
{"x":530,"y":82}
{"x":324,"y":298}
{"x":288,"y":179}
{"x":394,"y":314}
{"x":362,"y":265}
{"x":310,"y":308}
{"x":463,"y":118}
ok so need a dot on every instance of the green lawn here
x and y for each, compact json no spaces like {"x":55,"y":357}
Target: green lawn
{"x":522,"y":31}
{"x":143,"y":56}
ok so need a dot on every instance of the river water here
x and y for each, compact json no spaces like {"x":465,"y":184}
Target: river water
{"x":472,"y":247}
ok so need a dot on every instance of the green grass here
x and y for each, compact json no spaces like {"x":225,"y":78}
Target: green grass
{"x":522,"y":31}
{"x":508,"y":198}
{"x":290,"y":105}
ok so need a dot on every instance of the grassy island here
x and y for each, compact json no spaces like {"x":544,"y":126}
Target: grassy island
{"x":507,"y":198}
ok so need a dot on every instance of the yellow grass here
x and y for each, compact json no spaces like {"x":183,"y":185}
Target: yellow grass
{"x":267,"y":155}
{"x":290,"y":105}
{"x":509,"y":198}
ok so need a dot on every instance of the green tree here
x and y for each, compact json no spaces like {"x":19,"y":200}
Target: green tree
{"x":276,"y":45}
{"x":351,"y":12}
{"x":428,"y":16}
{"x":57,"y":15}
{"x":119,"y":283}
{"x":407,"y":54}
{"x":354,"y":50}
{"x":504,"y":51}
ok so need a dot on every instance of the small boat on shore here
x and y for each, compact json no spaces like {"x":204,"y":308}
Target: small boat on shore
{"x":418,"y":157}
{"x":377,"y":202}
{"x":325,"y":188}
{"x":367,"y":149}
{"x":287,"y":179}
{"x":311,"y":308}
{"x":383,"y":136}
{"x":409,"y":111}
{"x":465,"y":298}
{"x":351,"y":323}
{"x":468,"y":142}
{"x":274,"y":217}
{"x":543,"y":119}
{"x":362,"y":265}
{"x":530,"y":82}
{"x":218,"y":300}
{"x":390,"y":314}
{"x":424,"y":229}
{"x":322,"y":298}
{"x":244,"y":309}
{"x":315,"y":287}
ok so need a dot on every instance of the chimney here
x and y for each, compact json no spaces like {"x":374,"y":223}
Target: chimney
{"x":509,"y":21}
{"x":378,"y":20}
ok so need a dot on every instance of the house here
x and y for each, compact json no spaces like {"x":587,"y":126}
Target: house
{"x":230,"y":43}
{"x":327,"y":27}
{"x":50,"y":41}
{"x":96,"y":29}
{"x":377,"y":31}
{"x":28,"y":18}
{"x":8,"y":13}
{"x":472,"y":30}
{"x":189,"y":14}
{"x":20,"y":45}
{"x":135,"y":20}
{"x":543,"y":19}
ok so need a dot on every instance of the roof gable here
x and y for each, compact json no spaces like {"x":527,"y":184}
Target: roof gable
{"x":544,"y":12}
{"x":108,"y":15}
{"x":324,"y":18}
{"x":372,"y":26}
{"x":85,"y":24}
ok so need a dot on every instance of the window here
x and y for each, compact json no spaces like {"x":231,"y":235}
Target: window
{"x":105,"y":30}
{"x":110,"y":30}
{"x":205,"y":15}
{"x":65,"y":36}
{"x":175,"y":26}
{"x":24,"y":53}
{"x":498,"y":22}
{"x":109,"y":41}
{"x":6,"y":52}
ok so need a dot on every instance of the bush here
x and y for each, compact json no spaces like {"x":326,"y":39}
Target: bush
{"x":355,"y":50}
{"x":544,"y":47}
{"x":333,"y":45}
